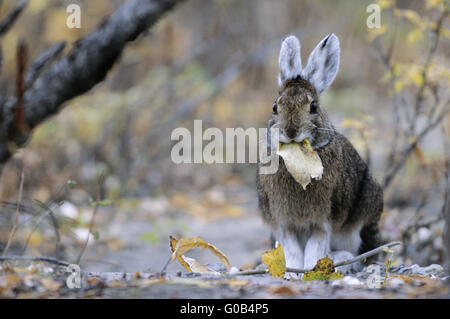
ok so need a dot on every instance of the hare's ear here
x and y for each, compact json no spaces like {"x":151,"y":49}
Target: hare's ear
{"x":289,"y":61}
{"x":323,"y":63}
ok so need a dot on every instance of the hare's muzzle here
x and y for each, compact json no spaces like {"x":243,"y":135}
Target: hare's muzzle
{"x":291,"y":132}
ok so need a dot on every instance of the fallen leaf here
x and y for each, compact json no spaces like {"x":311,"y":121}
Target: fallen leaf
{"x":50,"y":284}
{"x":274,"y":259}
{"x":301,"y":161}
{"x":152,"y":281}
{"x":136,"y":275}
{"x":180,"y":247}
{"x":173,"y":245}
{"x":323,"y":270}
{"x":416,"y":278}
{"x":197,"y":267}
{"x":8,"y":282}
{"x":115,"y":283}
{"x":93,"y":280}
{"x":282,"y":291}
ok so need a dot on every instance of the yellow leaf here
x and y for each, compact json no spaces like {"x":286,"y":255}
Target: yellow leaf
{"x":173,"y":245}
{"x":445,"y":32}
{"x":180,"y":247}
{"x":323,"y":270}
{"x":274,"y":259}
{"x":417,"y":78}
{"x":37,"y":6}
{"x":434,"y":3}
{"x":411,"y":15}
{"x":414,"y":36}
{"x":301,"y":161}
{"x":384,"y":4}
{"x":398,"y":86}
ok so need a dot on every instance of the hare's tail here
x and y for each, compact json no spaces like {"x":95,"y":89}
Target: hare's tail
{"x":370,"y":237}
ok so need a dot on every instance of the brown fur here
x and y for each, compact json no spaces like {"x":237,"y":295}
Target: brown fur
{"x":347,"y":196}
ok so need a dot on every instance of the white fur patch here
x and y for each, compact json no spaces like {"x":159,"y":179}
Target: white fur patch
{"x":289,"y":61}
{"x":323,"y":63}
{"x":293,"y":251}
{"x":317,"y":246}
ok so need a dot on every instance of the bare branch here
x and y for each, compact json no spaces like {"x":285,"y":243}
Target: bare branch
{"x":412,"y":145}
{"x":12,"y":16}
{"x":86,"y":65}
{"x":41,"y":61}
{"x":44,"y":259}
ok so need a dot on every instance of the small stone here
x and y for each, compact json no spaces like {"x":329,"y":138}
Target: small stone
{"x":409,"y":270}
{"x":423,"y":234}
{"x":395,"y":282}
{"x":434,"y":270}
{"x":351,"y":281}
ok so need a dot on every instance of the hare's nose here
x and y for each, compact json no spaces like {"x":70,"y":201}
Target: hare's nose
{"x":291,"y":132}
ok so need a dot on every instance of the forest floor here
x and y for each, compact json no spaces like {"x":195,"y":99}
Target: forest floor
{"x":128,"y":259}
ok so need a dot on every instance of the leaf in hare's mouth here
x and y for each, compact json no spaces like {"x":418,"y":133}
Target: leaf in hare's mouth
{"x":301,"y":161}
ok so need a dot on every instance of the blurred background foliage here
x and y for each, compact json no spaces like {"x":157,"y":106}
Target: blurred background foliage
{"x":217,"y":61}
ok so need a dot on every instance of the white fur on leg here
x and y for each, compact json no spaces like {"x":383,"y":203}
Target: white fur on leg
{"x":317,"y":246}
{"x":293,"y":252}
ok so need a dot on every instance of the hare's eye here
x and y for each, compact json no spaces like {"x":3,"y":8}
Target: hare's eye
{"x":313,"y":107}
{"x":275,"y":108}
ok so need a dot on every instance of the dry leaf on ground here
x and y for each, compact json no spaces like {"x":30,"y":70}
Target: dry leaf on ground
{"x":323,"y":270}
{"x":180,"y":247}
{"x":283,"y":291}
{"x":274,"y":259}
{"x":50,"y":284}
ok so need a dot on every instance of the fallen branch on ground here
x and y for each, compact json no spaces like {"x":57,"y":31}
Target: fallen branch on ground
{"x":241,"y":273}
{"x":339,"y":264}
{"x":43,"y":259}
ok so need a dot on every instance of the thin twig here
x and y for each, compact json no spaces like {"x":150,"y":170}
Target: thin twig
{"x":55,"y":223}
{"x":338,"y":264}
{"x":91,"y":224}
{"x":27,"y":258}
{"x":165,"y":266}
{"x":16,"y":217}
{"x":35,"y":68}
{"x":408,"y":150}
{"x":368,"y":254}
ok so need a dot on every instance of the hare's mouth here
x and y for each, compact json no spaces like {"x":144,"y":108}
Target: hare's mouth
{"x":301,"y":136}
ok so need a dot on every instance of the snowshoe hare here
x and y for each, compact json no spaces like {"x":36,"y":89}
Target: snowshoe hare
{"x":337,"y":215}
